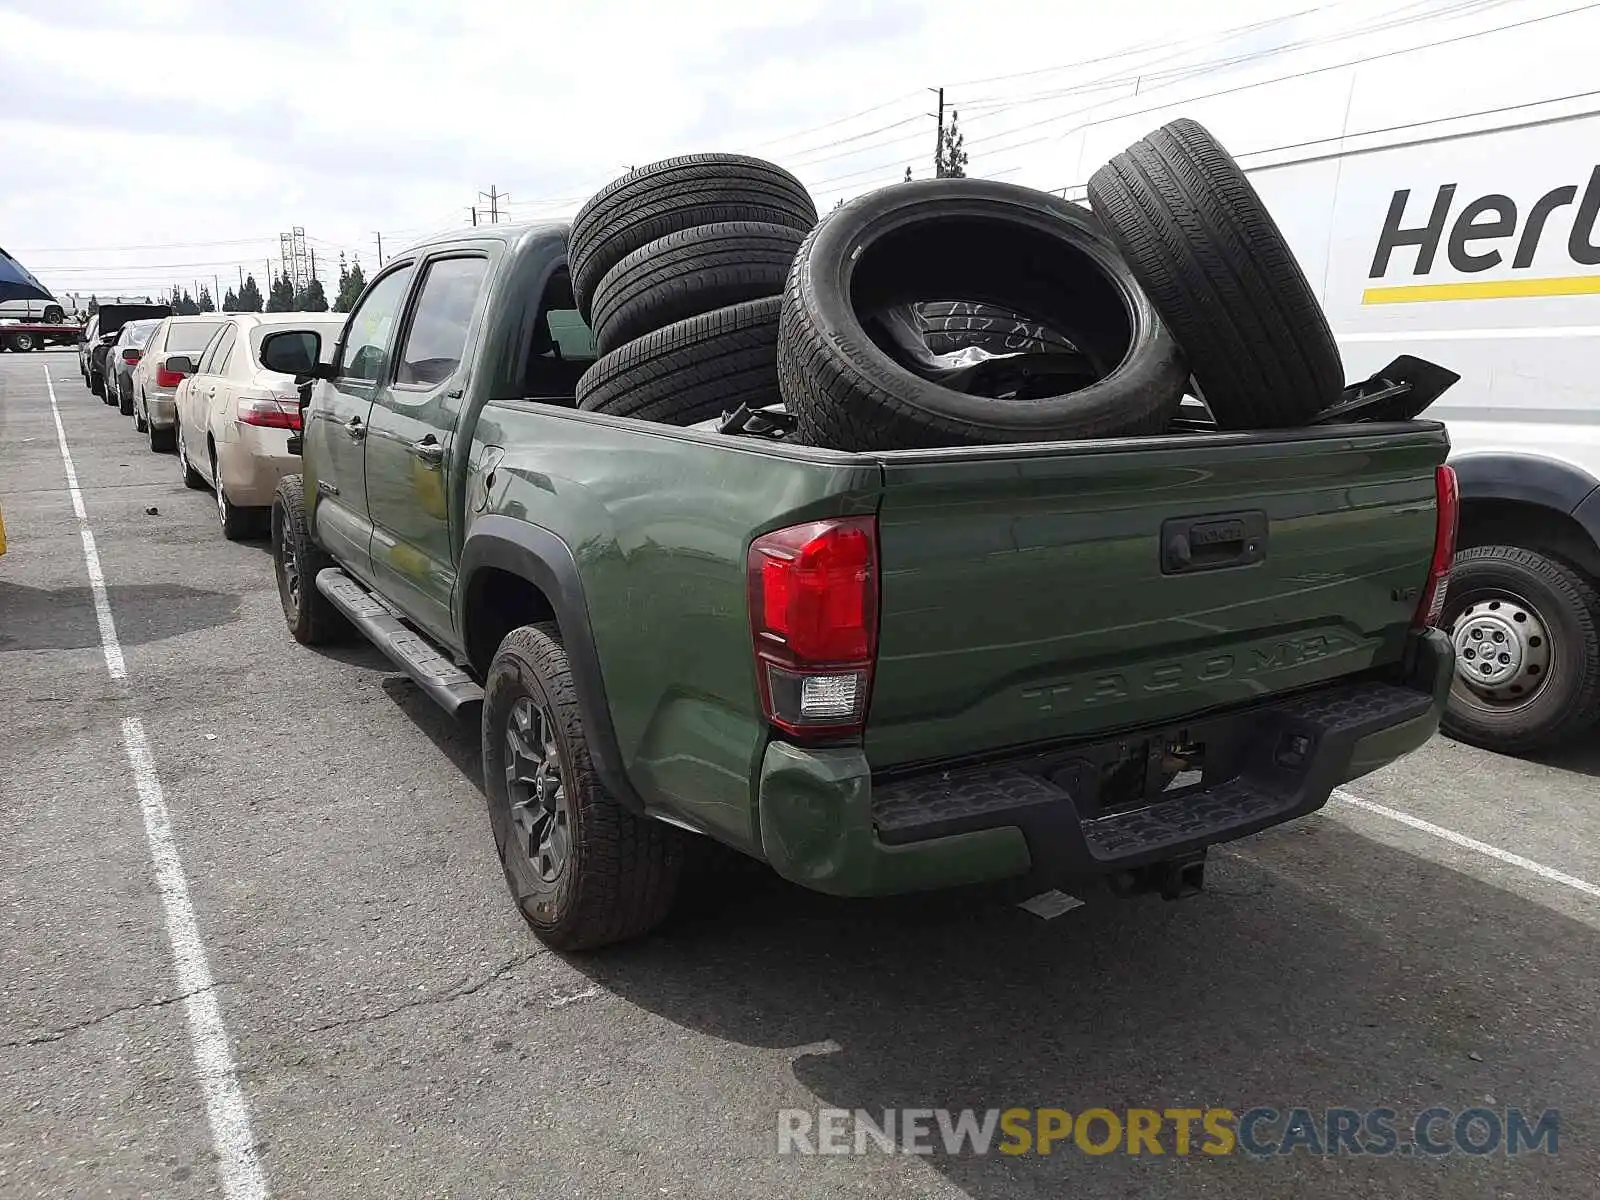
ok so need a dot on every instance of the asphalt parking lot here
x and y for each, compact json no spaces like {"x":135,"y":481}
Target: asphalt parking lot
{"x":395,"y":1030}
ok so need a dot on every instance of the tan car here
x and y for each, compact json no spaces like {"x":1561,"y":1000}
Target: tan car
{"x":234,"y":417}
{"x":155,"y":383}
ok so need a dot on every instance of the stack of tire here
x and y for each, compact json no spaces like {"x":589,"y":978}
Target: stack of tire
{"x":679,"y":269}
{"x":1176,"y":281}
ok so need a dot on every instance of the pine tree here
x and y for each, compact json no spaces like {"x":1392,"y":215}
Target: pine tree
{"x":908,"y":175}
{"x":351,"y":284}
{"x":230,"y":302}
{"x":249,"y":296}
{"x":951,"y":161}
{"x":94,"y":307}
{"x":281,"y":298}
{"x":313,"y":299}
{"x":203,"y":301}
{"x":184,"y":305}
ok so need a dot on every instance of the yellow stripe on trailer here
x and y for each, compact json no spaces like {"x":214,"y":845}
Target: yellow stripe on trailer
{"x":2,"y":533}
{"x":1484,"y":289}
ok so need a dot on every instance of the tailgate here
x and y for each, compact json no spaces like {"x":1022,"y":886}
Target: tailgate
{"x":1035,"y":594}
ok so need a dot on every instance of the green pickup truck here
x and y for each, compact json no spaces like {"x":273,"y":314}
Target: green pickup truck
{"x":1073,"y":664}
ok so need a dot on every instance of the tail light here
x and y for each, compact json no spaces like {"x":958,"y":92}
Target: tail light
{"x":131,"y":356}
{"x":269,"y":412}
{"x":168,"y":379}
{"x":1431,"y":606}
{"x":814,"y":617}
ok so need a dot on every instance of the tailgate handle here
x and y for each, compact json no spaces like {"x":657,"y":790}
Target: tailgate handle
{"x":1212,"y":542}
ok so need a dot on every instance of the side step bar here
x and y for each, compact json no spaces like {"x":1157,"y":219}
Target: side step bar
{"x":446,"y":684}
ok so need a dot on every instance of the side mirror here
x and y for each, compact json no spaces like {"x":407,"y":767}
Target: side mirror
{"x":181,"y":363}
{"x":292,"y":352}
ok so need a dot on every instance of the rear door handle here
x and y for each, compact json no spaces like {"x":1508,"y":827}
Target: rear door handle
{"x":428,"y":450}
{"x":355,"y":429}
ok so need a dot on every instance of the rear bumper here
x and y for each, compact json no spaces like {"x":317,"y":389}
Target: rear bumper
{"x":826,"y":824}
{"x":163,"y":408}
{"x":252,"y":466}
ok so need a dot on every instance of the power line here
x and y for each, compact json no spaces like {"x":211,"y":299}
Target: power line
{"x":1175,"y":74}
{"x":1244,"y":87}
{"x":151,"y":246}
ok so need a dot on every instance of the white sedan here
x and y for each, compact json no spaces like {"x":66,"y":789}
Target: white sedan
{"x":234,"y":417}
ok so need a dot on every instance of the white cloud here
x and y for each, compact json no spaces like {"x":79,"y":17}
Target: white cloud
{"x":180,"y":123}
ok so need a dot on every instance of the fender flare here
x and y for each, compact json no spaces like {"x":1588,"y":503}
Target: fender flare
{"x":1532,"y":479}
{"x":533,"y":553}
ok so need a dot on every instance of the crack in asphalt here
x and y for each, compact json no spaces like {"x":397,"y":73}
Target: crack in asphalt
{"x":448,"y":997}
{"x":89,"y":1022}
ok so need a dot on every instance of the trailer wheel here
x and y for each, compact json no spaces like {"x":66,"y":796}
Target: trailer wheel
{"x":1526,"y":627}
{"x":23,"y":343}
{"x":1206,"y":250}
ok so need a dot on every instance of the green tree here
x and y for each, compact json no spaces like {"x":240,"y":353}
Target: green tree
{"x":312,"y":299}
{"x":351,"y":282}
{"x":281,"y":298}
{"x":249,"y":296}
{"x":203,"y":301}
{"x":183,"y":304}
{"x":951,"y":161}
{"x":230,"y":302}
{"x":908,"y":176}
{"x":94,"y":306}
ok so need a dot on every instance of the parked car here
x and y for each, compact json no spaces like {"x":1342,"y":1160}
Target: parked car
{"x":877,"y":671}
{"x":155,"y":383}
{"x":87,"y":340}
{"x":125,"y":355}
{"x":101,"y":331}
{"x":233,"y":417}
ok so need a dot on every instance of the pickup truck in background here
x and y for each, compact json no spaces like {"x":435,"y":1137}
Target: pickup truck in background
{"x":1073,"y":664}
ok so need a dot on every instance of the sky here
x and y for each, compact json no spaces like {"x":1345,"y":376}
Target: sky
{"x":172,"y":141}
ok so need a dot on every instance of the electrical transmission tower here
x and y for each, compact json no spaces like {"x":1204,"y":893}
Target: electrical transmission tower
{"x":296,"y":262}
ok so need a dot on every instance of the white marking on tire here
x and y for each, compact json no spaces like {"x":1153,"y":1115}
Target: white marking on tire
{"x":226,"y":1109}
{"x":1469,"y":843}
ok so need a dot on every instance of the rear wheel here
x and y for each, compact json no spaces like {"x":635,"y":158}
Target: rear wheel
{"x":23,"y":343}
{"x":584,"y":871}
{"x":97,"y":384}
{"x":296,"y":559}
{"x":238,"y":523}
{"x":141,"y":420}
{"x":160,"y":439}
{"x":1527,"y":633}
{"x":124,"y":399}
{"x":192,"y":479}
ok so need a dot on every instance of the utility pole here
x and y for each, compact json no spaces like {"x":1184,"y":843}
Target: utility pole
{"x":216,"y":294}
{"x":379,"y":236}
{"x":938,"y":144}
{"x":313,"y":262}
{"x":474,"y":211}
{"x":494,"y":196}
{"x":241,"y":277}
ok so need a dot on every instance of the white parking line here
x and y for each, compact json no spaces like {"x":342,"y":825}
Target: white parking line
{"x":229,"y":1115}
{"x":1468,"y":843}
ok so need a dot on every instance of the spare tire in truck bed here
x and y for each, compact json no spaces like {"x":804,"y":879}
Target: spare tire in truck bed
{"x":675,"y":194}
{"x":690,"y":371}
{"x":1223,"y":277}
{"x":995,"y":243}
{"x":691,"y":272}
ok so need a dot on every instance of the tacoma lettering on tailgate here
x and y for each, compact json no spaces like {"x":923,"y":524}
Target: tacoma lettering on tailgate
{"x":1111,"y":686}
